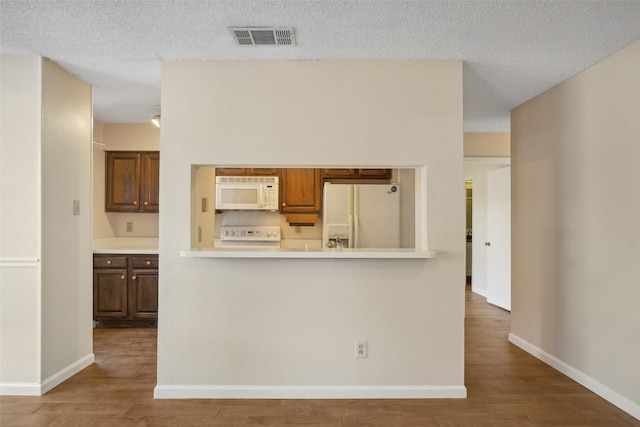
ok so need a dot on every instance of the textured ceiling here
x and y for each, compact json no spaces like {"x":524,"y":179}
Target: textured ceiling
{"x":513,"y":50}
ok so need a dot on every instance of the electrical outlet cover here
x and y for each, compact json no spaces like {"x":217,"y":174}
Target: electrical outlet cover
{"x":361,"y":348}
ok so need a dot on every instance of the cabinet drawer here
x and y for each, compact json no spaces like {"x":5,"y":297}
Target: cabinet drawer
{"x":145,"y":261}
{"x":110,"y":261}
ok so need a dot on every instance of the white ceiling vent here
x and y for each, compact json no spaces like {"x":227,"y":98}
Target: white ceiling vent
{"x":263,"y":36}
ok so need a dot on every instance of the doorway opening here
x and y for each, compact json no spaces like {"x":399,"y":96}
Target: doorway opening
{"x":476,"y":171}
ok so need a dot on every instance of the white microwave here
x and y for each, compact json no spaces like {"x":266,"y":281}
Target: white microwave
{"x":255,"y":193}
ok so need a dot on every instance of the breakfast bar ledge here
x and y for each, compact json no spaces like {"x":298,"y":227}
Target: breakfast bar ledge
{"x":308,"y":253}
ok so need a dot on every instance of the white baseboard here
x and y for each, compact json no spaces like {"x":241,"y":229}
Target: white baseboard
{"x":36,"y":389}
{"x":66,"y":373}
{"x":20,"y":389}
{"x":630,"y":407}
{"x":308,"y":392}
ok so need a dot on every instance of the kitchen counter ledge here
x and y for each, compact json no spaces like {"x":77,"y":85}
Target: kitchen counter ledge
{"x":307,"y":253}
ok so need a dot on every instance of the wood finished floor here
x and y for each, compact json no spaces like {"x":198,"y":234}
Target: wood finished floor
{"x":506,"y":387}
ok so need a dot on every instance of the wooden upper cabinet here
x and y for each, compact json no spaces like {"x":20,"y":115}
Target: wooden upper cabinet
{"x":132,"y":181}
{"x":231,"y":171}
{"x":375,"y":173}
{"x":123,"y":181}
{"x":300,"y":190}
{"x":339,"y":173}
{"x":150,"y":182}
{"x":369,"y":174}
{"x":247,"y":171}
{"x":263,"y":171}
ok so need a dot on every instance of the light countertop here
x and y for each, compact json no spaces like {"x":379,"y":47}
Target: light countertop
{"x":126,"y":245}
{"x":307,"y":253}
{"x":293,"y":249}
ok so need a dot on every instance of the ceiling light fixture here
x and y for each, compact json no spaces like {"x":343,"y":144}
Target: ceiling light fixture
{"x":156,"y":118}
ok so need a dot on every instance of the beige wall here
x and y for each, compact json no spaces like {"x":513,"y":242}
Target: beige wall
{"x":45,"y":263}
{"x":487,"y":144}
{"x":67,"y":274}
{"x":121,"y":137}
{"x":20,"y":114}
{"x":234,"y":326}
{"x":131,"y":136}
{"x":98,"y":131}
{"x":575,"y":231}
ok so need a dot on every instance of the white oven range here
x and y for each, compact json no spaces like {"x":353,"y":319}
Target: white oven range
{"x":249,"y":237}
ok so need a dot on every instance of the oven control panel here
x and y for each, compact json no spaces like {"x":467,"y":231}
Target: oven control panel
{"x":262,"y":233}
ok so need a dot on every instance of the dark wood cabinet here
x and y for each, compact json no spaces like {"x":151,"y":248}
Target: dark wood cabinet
{"x":109,"y":294}
{"x":231,"y":171}
{"x":364,"y":174}
{"x":132,"y":181}
{"x":247,"y":171}
{"x":300,"y":190}
{"x":143,"y":294}
{"x":125,"y":289}
{"x":150,"y":182}
{"x":339,"y":173}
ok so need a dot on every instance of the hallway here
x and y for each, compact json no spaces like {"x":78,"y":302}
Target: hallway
{"x":506,"y":387}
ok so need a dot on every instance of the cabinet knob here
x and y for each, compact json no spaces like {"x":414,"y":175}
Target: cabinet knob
{"x":487,"y":243}
{"x":284,"y":204}
{"x":108,"y":261}
{"x":148,"y":262}
{"x":122,"y":277}
{"x":135,"y":203}
{"x":146,"y":203}
{"x":133,"y":277}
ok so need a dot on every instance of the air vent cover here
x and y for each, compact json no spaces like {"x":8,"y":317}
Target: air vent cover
{"x":257,"y":36}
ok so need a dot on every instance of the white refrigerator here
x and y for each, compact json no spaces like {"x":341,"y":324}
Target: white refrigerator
{"x":361,"y":215}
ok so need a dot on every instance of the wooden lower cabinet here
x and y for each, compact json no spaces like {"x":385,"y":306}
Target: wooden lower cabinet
{"x":125,"y":290}
{"x":109,"y":294}
{"x":143,"y":294}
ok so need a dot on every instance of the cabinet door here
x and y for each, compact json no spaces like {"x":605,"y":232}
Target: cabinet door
{"x":339,"y":173}
{"x":231,"y":171}
{"x":369,"y":174}
{"x":109,"y":294}
{"x":247,"y":171}
{"x":150,"y":182}
{"x":144,"y":262}
{"x":122,"y":181}
{"x":109,"y":261}
{"x":375,"y":173}
{"x":300,"y":190}
{"x":263,"y":171}
{"x":143,"y":294}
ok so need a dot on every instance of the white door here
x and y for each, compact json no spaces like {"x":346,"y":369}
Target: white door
{"x":498,"y":244}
